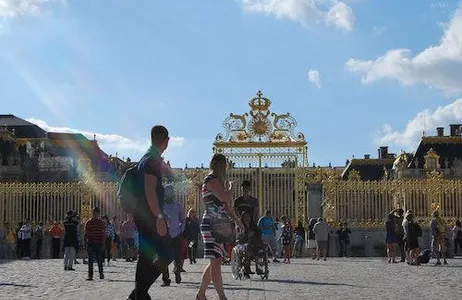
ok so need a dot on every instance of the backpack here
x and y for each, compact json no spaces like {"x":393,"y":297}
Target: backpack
{"x":424,"y":256}
{"x":129,"y":190}
{"x":441,"y":226}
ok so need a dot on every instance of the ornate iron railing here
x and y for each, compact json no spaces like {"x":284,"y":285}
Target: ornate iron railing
{"x":367,"y":204}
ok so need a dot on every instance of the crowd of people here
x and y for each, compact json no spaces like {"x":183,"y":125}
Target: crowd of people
{"x":403,"y":233}
{"x":157,"y":232}
{"x":50,"y":240}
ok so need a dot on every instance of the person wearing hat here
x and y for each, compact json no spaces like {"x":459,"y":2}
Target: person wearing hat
{"x":71,"y":240}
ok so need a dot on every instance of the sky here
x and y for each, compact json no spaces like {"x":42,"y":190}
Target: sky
{"x":355,"y":74}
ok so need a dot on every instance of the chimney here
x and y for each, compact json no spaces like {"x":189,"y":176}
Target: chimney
{"x":455,"y":129}
{"x":440,"y":131}
{"x":367,"y":156}
{"x":383,"y":152}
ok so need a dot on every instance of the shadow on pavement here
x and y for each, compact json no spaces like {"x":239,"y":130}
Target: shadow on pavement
{"x":249,"y":289}
{"x":312,"y":283}
{"x":105,"y":271}
{"x":441,"y":266}
{"x":194,"y":286}
{"x":5,"y":261}
{"x":121,"y":280}
{"x":16,"y":285}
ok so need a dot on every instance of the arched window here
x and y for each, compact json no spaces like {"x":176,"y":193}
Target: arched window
{"x":432,"y":160}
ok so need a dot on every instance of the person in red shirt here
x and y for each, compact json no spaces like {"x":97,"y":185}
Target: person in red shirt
{"x":56,"y":233}
{"x":95,"y":237}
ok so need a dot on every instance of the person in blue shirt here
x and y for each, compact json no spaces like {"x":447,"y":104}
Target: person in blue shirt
{"x":268,"y":229}
{"x":175,"y":215}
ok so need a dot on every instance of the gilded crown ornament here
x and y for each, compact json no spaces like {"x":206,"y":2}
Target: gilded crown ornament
{"x":260,"y":125}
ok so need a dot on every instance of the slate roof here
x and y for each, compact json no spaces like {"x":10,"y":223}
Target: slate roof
{"x":447,"y":147}
{"x":66,"y":136}
{"x":22,"y":128}
{"x":77,"y":142}
{"x":369,"y":169}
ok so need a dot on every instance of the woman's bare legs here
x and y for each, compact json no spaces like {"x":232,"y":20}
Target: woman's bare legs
{"x":389,"y":252}
{"x":206,"y":279}
{"x":217,"y":279}
{"x":393,"y":252}
{"x":212,"y":274}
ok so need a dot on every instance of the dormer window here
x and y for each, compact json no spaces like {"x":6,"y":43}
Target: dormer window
{"x":432,"y":160}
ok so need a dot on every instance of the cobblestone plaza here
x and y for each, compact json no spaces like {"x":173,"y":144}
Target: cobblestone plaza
{"x":348,"y":278}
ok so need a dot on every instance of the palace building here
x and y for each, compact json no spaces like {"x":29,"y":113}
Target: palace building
{"x":30,"y":154}
{"x":40,"y":169}
{"x":442,"y":153}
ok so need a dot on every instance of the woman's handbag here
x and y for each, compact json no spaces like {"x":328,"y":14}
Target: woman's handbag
{"x":222,"y":228}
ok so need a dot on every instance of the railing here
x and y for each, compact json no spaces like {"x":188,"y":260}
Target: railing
{"x":423,"y":173}
{"x":280,"y":190}
{"x":367,"y":204}
{"x":276,"y":190}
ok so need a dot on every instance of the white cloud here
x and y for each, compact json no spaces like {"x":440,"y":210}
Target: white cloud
{"x":14,"y":8}
{"x":341,"y":16}
{"x":313,"y":76}
{"x":335,"y":13}
{"x":429,"y":120}
{"x":437,"y":66}
{"x":110,"y":143}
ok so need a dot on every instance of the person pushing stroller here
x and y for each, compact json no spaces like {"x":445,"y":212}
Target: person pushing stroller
{"x":252,"y":244}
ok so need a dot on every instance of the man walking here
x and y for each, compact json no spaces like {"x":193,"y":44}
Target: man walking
{"x":71,"y":241}
{"x":128,"y":238}
{"x":398,"y":215}
{"x":95,"y":236}
{"x":39,"y":239}
{"x":26,"y":237}
{"x":321,"y":231}
{"x":56,"y":232}
{"x":268,"y":230}
{"x":278,"y":234}
{"x":438,"y":227}
{"x":81,"y":252}
{"x":174,"y":212}
{"x":155,"y":251}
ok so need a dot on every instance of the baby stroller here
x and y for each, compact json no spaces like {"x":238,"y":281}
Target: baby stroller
{"x":249,"y":248}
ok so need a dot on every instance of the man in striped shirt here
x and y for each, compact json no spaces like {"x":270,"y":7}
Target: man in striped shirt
{"x":95,"y":237}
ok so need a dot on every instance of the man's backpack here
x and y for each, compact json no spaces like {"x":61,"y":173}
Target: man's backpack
{"x":129,"y":190}
{"x":441,"y":226}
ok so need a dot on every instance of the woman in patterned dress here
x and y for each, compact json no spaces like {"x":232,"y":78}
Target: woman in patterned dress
{"x":217,"y":200}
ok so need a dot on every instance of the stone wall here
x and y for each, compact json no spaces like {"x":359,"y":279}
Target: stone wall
{"x":314,"y":200}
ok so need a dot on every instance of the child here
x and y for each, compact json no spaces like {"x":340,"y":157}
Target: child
{"x":286,"y":239}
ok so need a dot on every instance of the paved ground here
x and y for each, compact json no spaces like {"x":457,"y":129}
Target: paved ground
{"x":349,"y":278}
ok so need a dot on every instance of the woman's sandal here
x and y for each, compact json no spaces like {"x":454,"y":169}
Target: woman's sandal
{"x":198,"y":298}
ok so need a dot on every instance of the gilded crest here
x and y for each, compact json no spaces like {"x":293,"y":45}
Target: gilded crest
{"x":260,"y":125}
